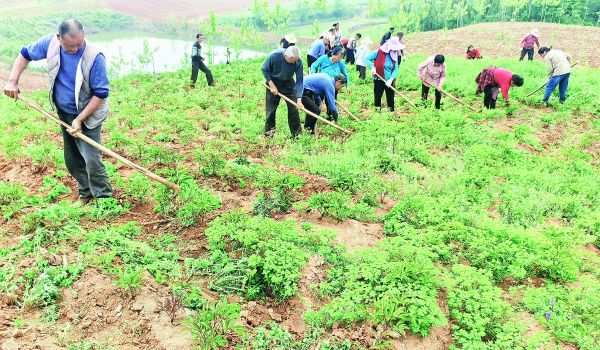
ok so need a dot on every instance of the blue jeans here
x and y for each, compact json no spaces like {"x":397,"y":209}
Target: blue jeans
{"x":562,"y":81}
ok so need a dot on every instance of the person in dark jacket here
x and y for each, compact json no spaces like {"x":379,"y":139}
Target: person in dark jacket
{"x":198,"y":62}
{"x":279,"y":70}
{"x":387,"y":36}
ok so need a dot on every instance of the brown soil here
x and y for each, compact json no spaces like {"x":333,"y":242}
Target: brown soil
{"x":29,"y":81}
{"x":497,"y":40}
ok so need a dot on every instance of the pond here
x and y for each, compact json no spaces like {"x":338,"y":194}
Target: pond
{"x":154,"y":55}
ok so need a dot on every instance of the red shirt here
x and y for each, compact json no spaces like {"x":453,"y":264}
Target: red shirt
{"x":473,"y":54}
{"x":503,"y":77}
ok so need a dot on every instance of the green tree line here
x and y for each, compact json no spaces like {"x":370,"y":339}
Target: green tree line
{"x":424,"y":15}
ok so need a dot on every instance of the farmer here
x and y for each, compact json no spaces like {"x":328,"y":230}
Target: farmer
{"x":278,"y":70}
{"x":320,"y":88}
{"x":384,"y":62}
{"x":387,"y":36}
{"x":316,"y":50}
{"x":527,"y":44}
{"x":493,"y":79}
{"x":337,"y":34}
{"x":432,"y":71}
{"x":363,"y":48}
{"x":332,"y":64}
{"x":350,"y":48}
{"x":287,"y":41}
{"x":79,"y":90}
{"x":473,"y":53}
{"x":198,"y":62}
{"x":559,"y":70}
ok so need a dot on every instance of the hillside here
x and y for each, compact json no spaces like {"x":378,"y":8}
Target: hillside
{"x":503,"y":40}
{"x":185,"y":9}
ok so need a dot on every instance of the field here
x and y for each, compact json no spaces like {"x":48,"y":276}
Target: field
{"x":421,"y":230}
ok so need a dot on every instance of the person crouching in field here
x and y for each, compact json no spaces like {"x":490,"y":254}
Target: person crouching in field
{"x":79,"y":90}
{"x":278,"y":70}
{"x":432,"y":72}
{"x":493,"y":79}
{"x":527,"y":44}
{"x":332,"y":64}
{"x":361,"y":52}
{"x":384,"y":62}
{"x":473,"y":53}
{"x":320,"y":88}
{"x":559,"y":70}
{"x":198,"y":62}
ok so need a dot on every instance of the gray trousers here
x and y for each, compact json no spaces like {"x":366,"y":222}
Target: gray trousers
{"x":84,"y":162}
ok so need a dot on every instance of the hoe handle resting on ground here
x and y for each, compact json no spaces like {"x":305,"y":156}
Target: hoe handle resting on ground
{"x":309,"y":112}
{"x":546,"y":83}
{"x":398,"y":92}
{"x":347,"y":111}
{"x":98,"y":146}
{"x":446,"y":93}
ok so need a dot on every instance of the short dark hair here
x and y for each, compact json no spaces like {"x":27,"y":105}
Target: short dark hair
{"x":335,"y":24}
{"x":342,"y":79}
{"x":517,"y":79}
{"x":359,"y":35}
{"x":400,"y":35}
{"x":335,"y":51}
{"x":199,"y":35}
{"x":544,"y":49}
{"x":439,"y":59}
{"x":392,"y":28}
{"x":332,"y":29}
{"x":70,"y":26}
{"x":469,"y":48}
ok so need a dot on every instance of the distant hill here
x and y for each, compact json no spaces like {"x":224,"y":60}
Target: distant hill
{"x":503,"y":40}
{"x":188,"y":9}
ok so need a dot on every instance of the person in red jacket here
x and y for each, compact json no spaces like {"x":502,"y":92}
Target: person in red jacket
{"x":492,"y":80}
{"x":473,"y":53}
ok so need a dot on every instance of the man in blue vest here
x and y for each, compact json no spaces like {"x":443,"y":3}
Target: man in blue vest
{"x":79,"y":90}
{"x":319,"y":89}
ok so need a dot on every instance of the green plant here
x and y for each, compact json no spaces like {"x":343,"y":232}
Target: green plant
{"x":190,"y":203}
{"x":213,"y":323}
{"x":129,"y":279}
{"x":42,"y":293}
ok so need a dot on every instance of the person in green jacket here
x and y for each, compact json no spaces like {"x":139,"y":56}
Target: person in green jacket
{"x":332,"y":64}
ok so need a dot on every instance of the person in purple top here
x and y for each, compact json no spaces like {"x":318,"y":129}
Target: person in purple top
{"x":319,"y":87}
{"x":527,"y":44}
{"x":79,"y":90}
{"x":316,"y":50}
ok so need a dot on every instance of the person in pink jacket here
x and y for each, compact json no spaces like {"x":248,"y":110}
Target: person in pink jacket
{"x":527,"y":44}
{"x":432,"y":72}
{"x":492,"y":80}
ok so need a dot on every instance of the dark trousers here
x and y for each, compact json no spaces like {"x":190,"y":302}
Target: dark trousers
{"x":84,"y":162}
{"x":425,"y":93}
{"x":378,"y":88}
{"x":285,"y":88}
{"x":308,"y":100}
{"x":488,"y":97}
{"x":350,"y":56}
{"x":529,"y":53}
{"x":310,"y":60}
{"x":362,"y":71}
{"x":200,"y":65}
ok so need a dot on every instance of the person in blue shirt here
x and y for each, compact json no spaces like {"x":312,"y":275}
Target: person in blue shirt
{"x":79,"y":90}
{"x":384,"y":62}
{"x":279,"y":69}
{"x":320,"y":88}
{"x":332,"y":64}
{"x":316,"y":50}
